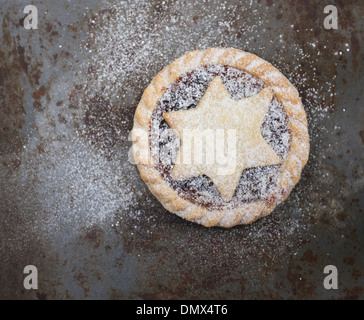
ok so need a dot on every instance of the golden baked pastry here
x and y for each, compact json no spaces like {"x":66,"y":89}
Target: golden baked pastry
{"x":220,"y":137}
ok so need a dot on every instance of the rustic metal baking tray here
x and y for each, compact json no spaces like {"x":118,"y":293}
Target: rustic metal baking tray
{"x":72,"y":204}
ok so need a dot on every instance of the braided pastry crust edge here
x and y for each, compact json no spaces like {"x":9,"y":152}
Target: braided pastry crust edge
{"x":290,"y":170}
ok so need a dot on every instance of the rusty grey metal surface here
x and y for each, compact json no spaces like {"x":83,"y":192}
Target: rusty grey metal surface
{"x":72,"y":205}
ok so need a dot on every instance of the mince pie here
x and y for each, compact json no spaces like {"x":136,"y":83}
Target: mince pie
{"x":220,"y":137}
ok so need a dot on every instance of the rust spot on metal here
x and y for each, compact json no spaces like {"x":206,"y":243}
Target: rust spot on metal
{"x":41,"y":296}
{"x":39,"y":93}
{"x":61,"y":118}
{"x":354,"y":293}
{"x":349,"y":261}
{"x":83,"y":281}
{"x":94,"y":236}
{"x":361,"y":134}
{"x":11,"y":93}
{"x":40,"y":148}
{"x":309,"y":256}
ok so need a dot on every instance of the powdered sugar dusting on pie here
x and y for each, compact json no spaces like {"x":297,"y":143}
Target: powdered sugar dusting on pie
{"x":255,"y":183}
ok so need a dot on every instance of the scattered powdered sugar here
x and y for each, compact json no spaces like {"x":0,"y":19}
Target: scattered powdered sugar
{"x":127,"y":48}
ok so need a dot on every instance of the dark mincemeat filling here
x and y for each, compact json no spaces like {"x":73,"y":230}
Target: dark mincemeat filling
{"x":255,"y":183}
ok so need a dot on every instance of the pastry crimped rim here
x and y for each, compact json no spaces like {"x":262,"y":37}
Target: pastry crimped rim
{"x":292,"y":165}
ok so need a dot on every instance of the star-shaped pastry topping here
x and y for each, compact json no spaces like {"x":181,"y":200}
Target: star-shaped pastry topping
{"x":233,"y":128}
